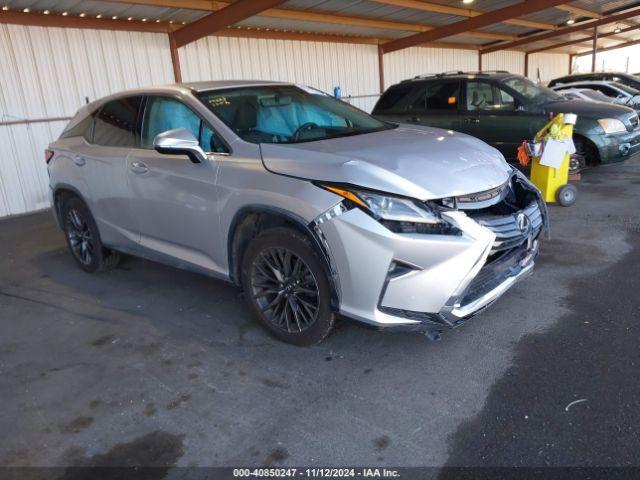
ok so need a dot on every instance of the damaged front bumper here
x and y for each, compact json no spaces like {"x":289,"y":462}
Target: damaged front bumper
{"x":425,"y":282}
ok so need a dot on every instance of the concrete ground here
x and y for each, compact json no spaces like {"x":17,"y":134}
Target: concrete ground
{"x":151,"y":365}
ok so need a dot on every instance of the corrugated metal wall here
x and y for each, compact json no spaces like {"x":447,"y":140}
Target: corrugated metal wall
{"x":323,"y":65}
{"x":414,"y":61}
{"x":508,"y":60}
{"x":47,"y":73}
{"x":547,"y":66}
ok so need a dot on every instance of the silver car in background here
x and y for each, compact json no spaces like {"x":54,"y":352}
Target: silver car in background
{"x":313,"y":207}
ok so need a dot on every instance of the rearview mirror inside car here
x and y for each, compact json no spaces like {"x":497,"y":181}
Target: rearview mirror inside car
{"x":180,"y":141}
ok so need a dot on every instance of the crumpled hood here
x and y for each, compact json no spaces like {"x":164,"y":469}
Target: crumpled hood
{"x":418,"y":162}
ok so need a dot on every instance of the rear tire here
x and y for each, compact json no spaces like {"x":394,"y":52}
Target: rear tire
{"x":83,"y":238}
{"x":286,"y":287}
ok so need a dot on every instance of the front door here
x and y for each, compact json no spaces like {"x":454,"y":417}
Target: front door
{"x":496,"y":117}
{"x":174,"y":199}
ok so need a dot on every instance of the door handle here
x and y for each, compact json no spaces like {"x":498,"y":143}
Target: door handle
{"x":471,"y":120}
{"x":139,"y":167}
{"x":78,"y":160}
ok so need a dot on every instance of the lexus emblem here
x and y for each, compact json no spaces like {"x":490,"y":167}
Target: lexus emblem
{"x":522,"y":222}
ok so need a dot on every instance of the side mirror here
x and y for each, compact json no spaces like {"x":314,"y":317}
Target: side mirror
{"x":180,"y":141}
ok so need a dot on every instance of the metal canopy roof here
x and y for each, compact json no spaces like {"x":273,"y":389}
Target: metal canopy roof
{"x":374,"y":21}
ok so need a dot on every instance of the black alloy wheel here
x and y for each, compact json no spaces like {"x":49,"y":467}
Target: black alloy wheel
{"x":286,"y":285}
{"x":83,"y":238}
{"x":79,"y":235}
{"x":285,"y":289}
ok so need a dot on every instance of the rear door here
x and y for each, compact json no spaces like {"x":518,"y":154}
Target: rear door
{"x":436,"y":104}
{"x":173,"y":199}
{"x":104,"y":162}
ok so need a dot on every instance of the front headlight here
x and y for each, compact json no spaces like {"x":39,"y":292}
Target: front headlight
{"x":400,"y":215}
{"x":612,"y":125}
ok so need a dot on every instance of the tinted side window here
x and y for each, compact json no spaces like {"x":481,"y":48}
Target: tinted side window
{"x":443,"y":96}
{"x":115,"y":124}
{"x":84,"y":128}
{"x":163,"y":113}
{"x":394,"y":98}
{"x":485,"y":97}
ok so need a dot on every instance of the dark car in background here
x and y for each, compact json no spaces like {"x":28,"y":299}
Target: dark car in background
{"x":613,"y":92}
{"x":504,"y":109}
{"x":620,"y":77}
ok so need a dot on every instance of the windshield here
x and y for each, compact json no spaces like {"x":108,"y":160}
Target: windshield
{"x":287,"y":114}
{"x":595,"y":95}
{"x":531,"y":91}
{"x":625,"y":88}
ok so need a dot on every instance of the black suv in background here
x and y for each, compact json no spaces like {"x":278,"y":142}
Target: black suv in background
{"x":624,"y":78}
{"x":504,"y":109}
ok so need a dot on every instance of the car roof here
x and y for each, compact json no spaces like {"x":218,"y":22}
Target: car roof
{"x":496,"y":74}
{"x":184,"y":88}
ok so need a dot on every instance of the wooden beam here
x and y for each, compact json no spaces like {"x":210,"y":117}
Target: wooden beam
{"x":175,"y":59}
{"x":526,"y":64}
{"x":462,"y":12}
{"x":583,"y":40}
{"x":489,"y":18}
{"x":316,"y":17}
{"x":69,"y":21}
{"x":565,"y":31}
{"x":219,"y":20}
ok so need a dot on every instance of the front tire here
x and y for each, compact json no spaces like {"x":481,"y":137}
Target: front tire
{"x":285,"y":285}
{"x":83,"y":238}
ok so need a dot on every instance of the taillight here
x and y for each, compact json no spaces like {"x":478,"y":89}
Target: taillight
{"x":48,"y":155}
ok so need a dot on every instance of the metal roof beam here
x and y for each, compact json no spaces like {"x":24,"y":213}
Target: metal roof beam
{"x":565,"y":31}
{"x":310,"y":16}
{"x":489,"y":18}
{"x":462,"y":12}
{"x":581,"y":40}
{"x":40,"y":20}
{"x":234,"y":13}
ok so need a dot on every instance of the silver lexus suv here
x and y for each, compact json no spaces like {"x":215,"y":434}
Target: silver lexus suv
{"x":313,"y":207}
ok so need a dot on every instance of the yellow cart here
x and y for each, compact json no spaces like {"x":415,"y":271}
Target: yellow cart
{"x":553,"y":182}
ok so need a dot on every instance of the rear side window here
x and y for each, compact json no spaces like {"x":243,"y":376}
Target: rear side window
{"x":84,"y":128}
{"x":443,"y":96}
{"x":116,"y":123}
{"x":395,"y":99}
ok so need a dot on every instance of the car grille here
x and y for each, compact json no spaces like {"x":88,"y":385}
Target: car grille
{"x":505,"y":227}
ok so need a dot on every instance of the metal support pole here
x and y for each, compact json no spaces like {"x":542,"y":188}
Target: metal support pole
{"x":595,"y":49}
{"x":381,"y":68}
